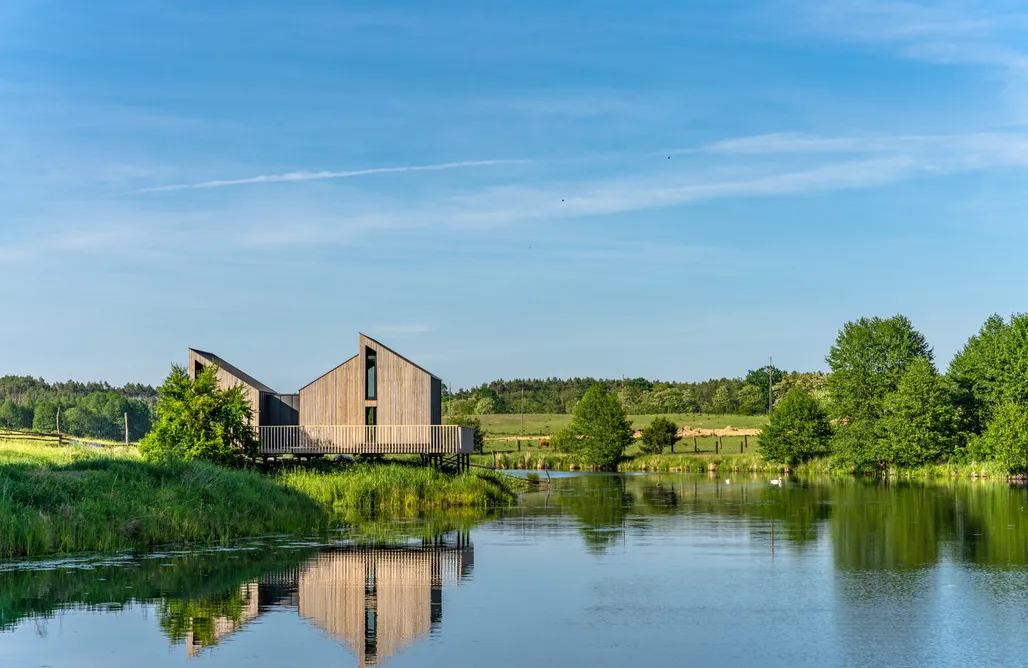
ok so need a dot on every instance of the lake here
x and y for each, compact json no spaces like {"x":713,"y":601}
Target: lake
{"x":590,"y":570}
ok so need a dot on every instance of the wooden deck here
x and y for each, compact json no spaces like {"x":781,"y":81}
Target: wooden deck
{"x":363,"y":440}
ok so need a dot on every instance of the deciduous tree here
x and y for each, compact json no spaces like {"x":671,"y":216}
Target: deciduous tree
{"x":198,"y":420}
{"x":602,"y":427}
{"x":662,"y":433}
{"x":797,"y":431}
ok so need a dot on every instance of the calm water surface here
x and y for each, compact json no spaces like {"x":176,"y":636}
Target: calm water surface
{"x":597,"y":571}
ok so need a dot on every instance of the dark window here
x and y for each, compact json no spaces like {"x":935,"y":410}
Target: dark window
{"x":371,"y":385}
{"x":197,"y":369}
{"x":369,"y":416}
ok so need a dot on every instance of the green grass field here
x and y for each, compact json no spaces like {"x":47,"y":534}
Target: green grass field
{"x":503,"y":432}
{"x":545,"y":424}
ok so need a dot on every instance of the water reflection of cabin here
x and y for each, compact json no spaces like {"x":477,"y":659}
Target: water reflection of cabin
{"x":376,"y":601}
{"x":376,"y":402}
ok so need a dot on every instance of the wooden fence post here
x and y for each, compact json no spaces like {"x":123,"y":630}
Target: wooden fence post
{"x":695,"y":448}
{"x":494,"y":460}
{"x":746,"y":441}
{"x":126,"y":429}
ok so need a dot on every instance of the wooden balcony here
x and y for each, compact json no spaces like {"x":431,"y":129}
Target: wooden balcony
{"x":432,"y":439}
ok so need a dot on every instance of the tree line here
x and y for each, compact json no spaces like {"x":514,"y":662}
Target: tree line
{"x":887,"y":404}
{"x":94,"y":409}
{"x":719,"y":396}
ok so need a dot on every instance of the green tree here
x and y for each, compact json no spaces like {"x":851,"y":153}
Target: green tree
{"x":198,"y":420}
{"x":721,"y":404}
{"x":752,"y":401}
{"x":919,"y":425}
{"x":992,"y":368}
{"x":798,"y":430}
{"x":867,"y":361}
{"x":757,"y":379}
{"x":602,"y":426}
{"x":1006,"y":436}
{"x":485,"y":406}
{"x":10,"y":415}
{"x":44,"y":418}
{"x":662,"y":433}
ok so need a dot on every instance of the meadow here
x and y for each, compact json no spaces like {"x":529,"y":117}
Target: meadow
{"x":503,"y":425}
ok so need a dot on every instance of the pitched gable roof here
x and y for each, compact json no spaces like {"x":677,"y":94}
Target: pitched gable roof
{"x":416,"y":366}
{"x":236,"y":371}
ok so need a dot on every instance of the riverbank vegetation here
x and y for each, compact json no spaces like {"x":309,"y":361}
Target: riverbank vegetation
{"x":891,"y":409}
{"x":69,"y":499}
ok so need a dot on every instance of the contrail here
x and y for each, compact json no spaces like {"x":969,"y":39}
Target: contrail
{"x":317,"y":176}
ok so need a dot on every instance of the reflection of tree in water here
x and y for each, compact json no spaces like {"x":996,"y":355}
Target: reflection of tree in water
{"x":600,"y":503}
{"x":872,"y":524}
{"x":374,"y":599}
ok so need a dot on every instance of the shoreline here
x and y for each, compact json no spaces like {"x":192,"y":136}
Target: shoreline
{"x":59,"y":500}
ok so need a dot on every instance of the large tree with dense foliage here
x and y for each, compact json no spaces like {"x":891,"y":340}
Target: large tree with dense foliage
{"x":797,"y":431}
{"x":198,"y":420}
{"x":1006,"y":436}
{"x":662,"y":433}
{"x":602,"y":429}
{"x":919,"y":425}
{"x":991,"y":369}
{"x":868,"y":360}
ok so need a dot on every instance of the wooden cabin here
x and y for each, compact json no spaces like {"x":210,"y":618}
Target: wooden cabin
{"x":376,"y":402}
{"x":377,"y":386}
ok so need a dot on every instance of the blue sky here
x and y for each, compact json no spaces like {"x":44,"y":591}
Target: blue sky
{"x":660,"y":189}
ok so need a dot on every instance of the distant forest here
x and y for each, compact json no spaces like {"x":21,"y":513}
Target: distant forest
{"x":724,"y":396}
{"x":97,"y":409}
{"x":94,"y":409}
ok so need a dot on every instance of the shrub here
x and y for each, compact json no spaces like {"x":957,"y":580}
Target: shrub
{"x":797,"y":431}
{"x":564,"y":441}
{"x":662,"y":433}
{"x":198,"y":420}
{"x":602,"y":427}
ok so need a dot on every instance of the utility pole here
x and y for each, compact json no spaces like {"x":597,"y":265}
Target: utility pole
{"x":770,"y":385}
{"x":522,"y":412}
{"x":126,"y":429}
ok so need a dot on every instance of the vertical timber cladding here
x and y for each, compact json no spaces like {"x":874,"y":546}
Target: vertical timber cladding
{"x":228,"y":377}
{"x":336,"y":397}
{"x":406,"y":393}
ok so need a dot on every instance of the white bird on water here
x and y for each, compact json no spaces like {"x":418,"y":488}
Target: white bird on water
{"x":728,"y":481}
{"x":777,"y":481}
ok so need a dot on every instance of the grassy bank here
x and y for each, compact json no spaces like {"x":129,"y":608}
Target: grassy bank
{"x":399,"y":489}
{"x":69,"y":499}
{"x":748,"y":462}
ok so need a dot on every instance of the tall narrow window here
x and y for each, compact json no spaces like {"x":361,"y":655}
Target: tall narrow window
{"x":197,"y":368}
{"x":370,"y":385}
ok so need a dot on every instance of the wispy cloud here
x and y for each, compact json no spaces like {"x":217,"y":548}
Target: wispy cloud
{"x":318,"y":176}
{"x":980,"y":33}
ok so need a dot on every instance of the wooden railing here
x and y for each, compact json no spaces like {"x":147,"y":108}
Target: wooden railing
{"x":360,"y":439}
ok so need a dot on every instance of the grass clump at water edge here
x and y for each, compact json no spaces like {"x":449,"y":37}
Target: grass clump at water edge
{"x":400,"y":488}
